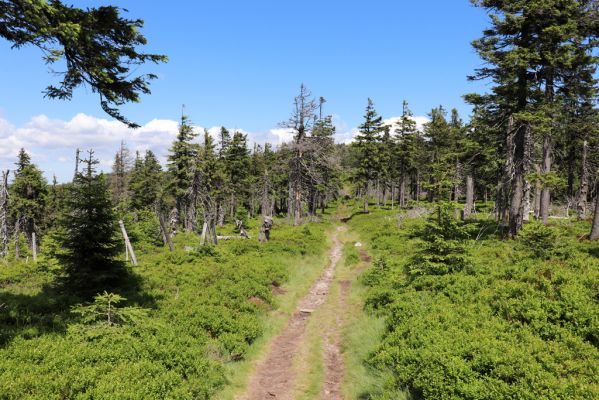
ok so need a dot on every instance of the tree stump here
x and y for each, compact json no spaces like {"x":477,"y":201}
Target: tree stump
{"x":264,"y":235}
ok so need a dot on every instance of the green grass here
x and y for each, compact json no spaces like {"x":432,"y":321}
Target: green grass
{"x":362,"y":331}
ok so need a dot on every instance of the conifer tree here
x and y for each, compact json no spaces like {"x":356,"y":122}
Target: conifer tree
{"x":145,"y":182}
{"x":368,"y":152}
{"x":323,"y":165}
{"x":441,"y":155}
{"x":119,"y":182}
{"x":27,"y":197}
{"x":237,"y":167}
{"x":180,"y":167}
{"x":405,"y":154}
{"x":88,"y":241}
{"x":300,"y":123}
{"x":529,"y":50}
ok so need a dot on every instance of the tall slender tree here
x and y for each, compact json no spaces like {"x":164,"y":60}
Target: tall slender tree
{"x":368,"y":151}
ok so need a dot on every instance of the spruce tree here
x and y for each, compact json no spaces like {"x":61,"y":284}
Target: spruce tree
{"x":119,"y":182}
{"x":405,"y":153}
{"x":368,"y":151}
{"x":88,"y":236}
{"x":28,"y":197}
{"x":237,"y":167}
{"x":145,"y":182}
{"x":180,"y":167}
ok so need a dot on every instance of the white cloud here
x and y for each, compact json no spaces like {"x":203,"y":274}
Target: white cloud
{"x":345,"y":135}
{"x":52,"y":142}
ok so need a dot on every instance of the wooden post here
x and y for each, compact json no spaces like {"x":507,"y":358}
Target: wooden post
{"x":129,"y":248}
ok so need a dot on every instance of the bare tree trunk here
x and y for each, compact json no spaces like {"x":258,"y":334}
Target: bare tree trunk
{"x":265,"y":201}
{"x":264,"y":235}
{"x":297,"y":207}
{"x":418,"y":186}
{"x":469,"y":196}
{"x":546,"y":168}
{"x":503,"y":188}
{"x":166,"y":237}
{"x":34,"y":246}
{"x":174,"y":221}
{"x":581,"y":203}
{"x":595,"y":227}
{"x":220,"y":214}
{"x":517,"y":186}
{"x":402,"y":190}
{"x":366,"y":198}
{"x":127,"y":242}
{"x":17,"y":239}
{"x":458,"y":178}
{"x":527,"y":165}
{"x":4,"y":238}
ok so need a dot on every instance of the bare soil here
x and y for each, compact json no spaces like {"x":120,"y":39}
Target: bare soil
{"x":274,"y":376}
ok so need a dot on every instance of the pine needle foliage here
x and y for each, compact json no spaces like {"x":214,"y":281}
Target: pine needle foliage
{"x":88,"y":235}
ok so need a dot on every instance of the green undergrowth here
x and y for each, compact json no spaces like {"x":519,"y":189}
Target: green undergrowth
{"x":195,"y":312}
{"x":514,"y":319}
{"x":362,"y":331}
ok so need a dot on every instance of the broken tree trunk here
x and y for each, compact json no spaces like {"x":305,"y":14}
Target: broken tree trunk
{"x":242,"y":231}
{"x":127,"y":242}
{"x":469,"y":196}
{"x":581,"y":201}
{"x":4,"y":238}
{"x":166,"y":237}
{"x":546,"y":169}
{"x":17,"y":239}
{"x":33,"y":246}
{"x":264,"y":235}
{"x":595,"y":227}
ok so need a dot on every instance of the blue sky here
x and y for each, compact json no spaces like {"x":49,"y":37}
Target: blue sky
{"x":239,"y":64}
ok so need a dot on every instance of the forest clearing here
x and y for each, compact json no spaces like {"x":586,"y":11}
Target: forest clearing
{"x":428,"y":254}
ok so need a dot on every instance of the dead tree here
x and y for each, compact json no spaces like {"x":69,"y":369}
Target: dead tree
{"x":4,"y":238}
{"x":173,"y":221}
{"x":128,"y":245}
{"x":469,"y":196}
{"x":241,"y":229}
{"x":595,"y":227}
{"x":166,"y":237}
{"x":265,"y":228}
{"x":581,"y":201}
{"x":301,"y":123}
{"x":546,"y":169}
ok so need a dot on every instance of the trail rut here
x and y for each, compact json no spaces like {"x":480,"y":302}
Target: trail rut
{"x":274,"y":376}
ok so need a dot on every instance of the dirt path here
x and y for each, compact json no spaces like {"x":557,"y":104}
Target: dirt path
{"x":334,"y":364}
{"x":274,"y":376}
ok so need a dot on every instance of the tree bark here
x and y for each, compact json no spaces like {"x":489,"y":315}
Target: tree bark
{"x":33,"y":246}
{"x":166,"y":237}
{"x":595,"y":227}
{"x":4,"y":238}
{"x":402,"y":191}
{"x":546,"y":168}
{"x":366,"y":211}
{"x":469,"y":196}
{"x":128,"y":243}
{"x":581,"y":203}
{"x":517,"y":182}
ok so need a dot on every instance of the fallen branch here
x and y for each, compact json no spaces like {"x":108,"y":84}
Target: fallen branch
{"x":231,"y":237}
